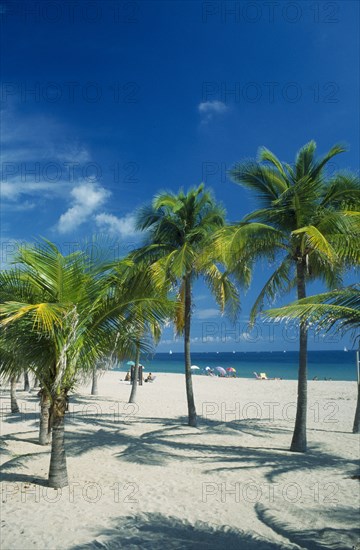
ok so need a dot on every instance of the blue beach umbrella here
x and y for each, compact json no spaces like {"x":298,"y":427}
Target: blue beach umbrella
{"x":131,"y":363}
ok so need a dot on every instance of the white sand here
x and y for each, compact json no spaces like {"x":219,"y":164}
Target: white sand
{"x":141,"y":478}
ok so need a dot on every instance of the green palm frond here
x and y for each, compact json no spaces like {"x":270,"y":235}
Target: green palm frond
{"x":278,"y":283}
{"x":42,"y":316}
{"x":239,"y":244}
{"x":265,"y":181}
{"x":321,"y":163}
{"x":304,"y":162}
{"x":265,"y":155}
{"x":343,"y":192}
{"x":315,"y":241}
{"x":338,"y":308}
{"x":224,"y":290}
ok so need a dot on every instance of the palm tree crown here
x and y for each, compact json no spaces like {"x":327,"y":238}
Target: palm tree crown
{"x":304,"y":218}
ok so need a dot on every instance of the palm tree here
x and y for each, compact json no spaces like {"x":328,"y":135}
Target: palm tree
{"x":143,"y":328}
{"x":307,"y":224}
{"x":26,"y":381}
{"x":9,"y":375}
{"x":179,"y":227}
{"x":13,"y":399}
{"x":338,"y":308}
{"x":77,"y":311}
{"x":25,"y":350}
{"x":94,"y":383}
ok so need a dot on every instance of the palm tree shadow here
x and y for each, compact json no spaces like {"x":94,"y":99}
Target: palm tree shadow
{"x":168,"y":442}
{"x":156,"y":532}
{"x":23,"y":478}
{"x":20,"y":462}
{"x":14,"y":418}
{"x":342,"y":538}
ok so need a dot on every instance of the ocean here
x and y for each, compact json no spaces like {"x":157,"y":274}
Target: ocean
{"x":336,"y":365}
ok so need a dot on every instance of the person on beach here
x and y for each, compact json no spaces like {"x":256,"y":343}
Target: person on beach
{"x":127,"y":377}
{"x":149,"y":378}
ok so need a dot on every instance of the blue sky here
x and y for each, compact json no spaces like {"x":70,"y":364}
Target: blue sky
{"x":103,"y":104}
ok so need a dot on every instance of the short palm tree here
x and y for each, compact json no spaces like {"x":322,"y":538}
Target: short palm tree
{"x":307,"y":224}
{"x":73,"y":317}
{"x":338,"y":308}
{"x":179,"y":227}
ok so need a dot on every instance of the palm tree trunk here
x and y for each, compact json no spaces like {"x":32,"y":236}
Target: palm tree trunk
{"x":356,"y":426}
{"x":58,"y":477}
{"x":44,"y":430}
{"x":188,"y":378}
{"x":136,"y":375}
{"x":94,"y":387}
{"x":13,"y":400}
{"x":26,"y":381}
{"x":299,"y":443}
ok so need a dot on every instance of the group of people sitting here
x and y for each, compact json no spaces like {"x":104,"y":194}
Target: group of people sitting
{"x":149,"y":378}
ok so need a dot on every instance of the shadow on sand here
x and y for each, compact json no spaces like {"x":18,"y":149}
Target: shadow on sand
{"x":162,"y":441}
{"x":158,"y":532}
{"x":169,"y":441}
{"x":343,"y":538}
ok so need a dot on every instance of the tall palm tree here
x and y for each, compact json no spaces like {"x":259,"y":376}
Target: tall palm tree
{"x":77,"y":311}
{"x":307,"y":223}
{"x":179,"y":227}
{"x":339,"y":309}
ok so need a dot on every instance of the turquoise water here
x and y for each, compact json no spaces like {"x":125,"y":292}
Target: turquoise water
{"x":337,"y":365}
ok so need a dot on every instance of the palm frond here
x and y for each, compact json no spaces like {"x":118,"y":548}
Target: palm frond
{"x":339,"y":308}
{"x":279,"y":282}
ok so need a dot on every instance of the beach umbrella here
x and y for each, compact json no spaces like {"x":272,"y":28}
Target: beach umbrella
{"x":221,"y":371}
{"x":194,"y":367}
{"x":231,"y":369}
{"x":207,"y":368}
{"x":131,"y":363}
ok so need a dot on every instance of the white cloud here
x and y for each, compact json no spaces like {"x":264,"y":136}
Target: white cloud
{"x":15,"y":188}
{"x":87,"y":198}
{"x":209,"y":109}
{"x":20,"y":207}
{"x":211,"y":339}
{"x":38,"y":163}
{"x":117,"y":227}
{"x":208,"y":313}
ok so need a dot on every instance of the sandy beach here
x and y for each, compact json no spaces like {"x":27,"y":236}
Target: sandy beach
{"x":141,"y":478}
